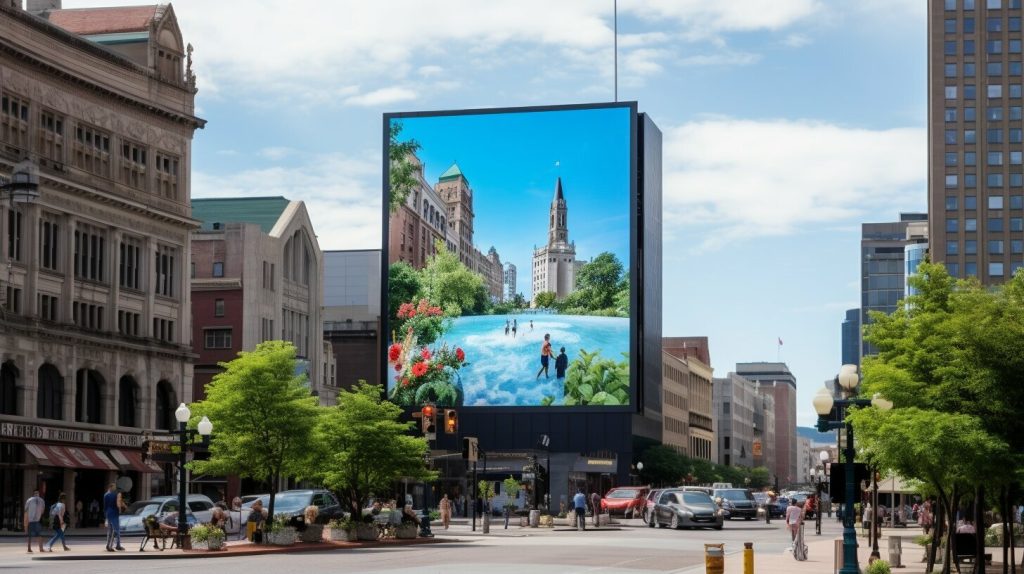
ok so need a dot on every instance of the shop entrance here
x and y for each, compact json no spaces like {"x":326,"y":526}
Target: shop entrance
{"x":90,"y":485}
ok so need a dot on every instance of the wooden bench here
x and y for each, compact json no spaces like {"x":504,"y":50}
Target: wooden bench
{"x":965,"y":550}
{"x":158,"y":535}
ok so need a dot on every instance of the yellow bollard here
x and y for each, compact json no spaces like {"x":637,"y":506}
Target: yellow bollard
{"x":714,"y":558}
{"x":748,"y":558}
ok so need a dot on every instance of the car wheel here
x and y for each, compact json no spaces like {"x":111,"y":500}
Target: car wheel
{"x":643,"y":515}
{"x":651,"y":522}
{"x":660,"y":525}
{"x":675,"y":522}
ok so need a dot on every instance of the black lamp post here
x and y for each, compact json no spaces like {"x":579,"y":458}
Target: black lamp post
{"x":823,"y":456}
{"x":204,"y":428}
{"x":831,"y":416}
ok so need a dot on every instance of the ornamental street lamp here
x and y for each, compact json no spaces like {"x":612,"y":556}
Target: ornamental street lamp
{"x":823,"y":456}
{"x":832,"y":416}
{"x":203,"y":429}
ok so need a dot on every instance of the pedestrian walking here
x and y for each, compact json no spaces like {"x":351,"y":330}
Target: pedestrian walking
{"x":770,"y":503}
{"x":794,"y":518}
{"x":579,"y":504}
{"x":595,"y":503}
{"x":58,"y":522}
{"x":112,"y":512}
{"x":545,"y":356}
{"x":924,"y":517}
{"x":445,"y":507}
{"x":34,"y":508}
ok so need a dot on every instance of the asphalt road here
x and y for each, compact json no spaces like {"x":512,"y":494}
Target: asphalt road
{"x":628,"y":548}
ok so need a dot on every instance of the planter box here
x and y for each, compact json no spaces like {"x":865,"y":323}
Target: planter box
{"x":284,"y":537}
{"x":340,"y":535}
{"x":312,"y":533}
{"x":366,"y":532}
{"x":214,"y":544}
{"x":406,"y":531}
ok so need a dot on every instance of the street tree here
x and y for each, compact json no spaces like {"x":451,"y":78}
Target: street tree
{"x":402,"y":171}
{"x":403,"y":285}
{"x":365,"y":448}
{"x":264,"y":416}
{"x":446,"y":282}
{"x":545,"y":299}
{"x":601,"y":277}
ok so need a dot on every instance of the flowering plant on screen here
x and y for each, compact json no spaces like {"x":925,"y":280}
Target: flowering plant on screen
{"x":427,"y":321}
{"x":422,"y":374}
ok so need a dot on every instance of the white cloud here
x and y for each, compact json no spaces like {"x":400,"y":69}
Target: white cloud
{"x":722,"y":58}
{"x":430,"y":71}
{"x":701,"y":19}
{"x":382,"y":97}
{"x":730,"y":179}
{"x":276,"y":153}
{"x":796,"y":40}
{"x":342,"y":194}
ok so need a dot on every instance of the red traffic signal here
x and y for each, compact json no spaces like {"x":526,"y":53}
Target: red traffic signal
{"x":427,"y":419}
{"x":427,"y":411}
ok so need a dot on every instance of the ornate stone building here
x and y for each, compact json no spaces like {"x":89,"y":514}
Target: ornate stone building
{"x":554,"y":265}
{"x":687,"y":388}
{"x":453,"y":187}
{"x":417,"y":226}
{"x":95,"y":327}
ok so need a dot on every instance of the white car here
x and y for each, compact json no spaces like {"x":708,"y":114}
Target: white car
{"x":200,"y":509}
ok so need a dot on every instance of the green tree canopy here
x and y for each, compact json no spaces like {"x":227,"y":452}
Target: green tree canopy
{"x":263,"y":418}
{"x":402,"y":171}
{"x":601,"y":278}
{"x":545,"y":299}
{"x":366,"y":448}
{"x":448,"y":283}
{"x":403,"y":286}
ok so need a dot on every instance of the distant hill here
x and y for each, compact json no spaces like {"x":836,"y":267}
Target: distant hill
{"x":815,"y":436}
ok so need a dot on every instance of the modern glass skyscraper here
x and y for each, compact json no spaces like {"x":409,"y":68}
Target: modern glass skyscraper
{"x":851,"y":337}
{"x":975,"y":137}
{"x":882,"y":252}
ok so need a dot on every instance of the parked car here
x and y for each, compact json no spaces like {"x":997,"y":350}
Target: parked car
{"x":625,"y":500}
{"x":779,"y":508}
{"x":132,"y":521}
{"x":736,"y":502}
{"x":649,"y":503}
{"x":686,"y":509}
{"x":294,"y":502}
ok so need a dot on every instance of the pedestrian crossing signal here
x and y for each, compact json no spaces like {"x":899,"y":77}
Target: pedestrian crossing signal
{"x":451,"y":421}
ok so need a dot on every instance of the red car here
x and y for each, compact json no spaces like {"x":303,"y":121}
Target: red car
{"x":625,"y":500}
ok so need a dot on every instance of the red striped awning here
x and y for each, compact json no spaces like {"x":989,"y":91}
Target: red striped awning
{"x":132,"y":460}
{"x":70,"y":457}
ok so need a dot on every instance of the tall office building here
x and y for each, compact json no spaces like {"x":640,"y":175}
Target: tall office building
{"x":776,"y":381}
{"x":975,"y":137}
{"x":883,"y":266}
{"x":851,"y":337}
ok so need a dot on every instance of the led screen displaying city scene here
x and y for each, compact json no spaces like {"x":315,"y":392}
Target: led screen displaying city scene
{"x":509,"y":245}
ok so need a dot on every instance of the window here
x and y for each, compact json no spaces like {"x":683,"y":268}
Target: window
{"x":49,"y":237}
{"x":1013,"y":23}
{"x":1015,"y":113}
{"x":218,"y":307}
{"x":218,"y":338}
{"x":950,"y":92}
{"x":995,"y":158}
{"x":970,"y":136}
{"x":51,"y":136}
{"x":951,"y":181}
{"x":995,"y":91}
{"x":970,"y":224}
{"x":47,"y":307}
{"x":995,"y":202}
{"x":971,"y":269}
{"x":1016,"y":224}
{"x":127,"y":401}
{"x":949,"y":26}
{"x":1016,"y":246}
{"x":970,"y":247}
{"x":950,"y":70}
{"x":970,"y":202}
{"x":970,"y":91}
{"x":995,"y":224}
{"x":128,"y":323}
{"x":969,"y":113}
{"x":994,"y":135}
{"x":14,"y":234}
{"x":1016,"y":202}
{"x":994,"y":4}
{"x":950,"y":4}
{"x":950,"y":114}
{"x":90,"y":253}
{"x":163,"y":329}
{"x":1015,"y":91}
{"x":968,"y":5}
{"x":994,"y":179}
{"x":994,"y":113}
{"x":218,"y":268}
{"x":952,"y":248}
{"x":50,"y":395}
{"x":1016,"y":180}
{"x":994,"y":25}
{"x":14,"y":121}
{"x":133,"y":164}
{"x":164,"y":267}
{"x":969,"y":69}
{"x":951,"y":137}
{"x":1014,"y":68}
{"x":949,"y":47}
{"x":968,"y":47}
{"x":952,"y":225}
{"x":953,"y":269}
{"x":1015,"y":46}
{"x":167,"y":175}
{"x":970,"y":158}
{"x":994,"y":69}
{"x":951,"y":158}
{"x":92,"y":150}
{"x":951,"y":202}
{"x":995,"y":247}
{"x":12,"y":300}
{"x":130,"y":263}
{"x":87,"y":315}
{"x":995,"y":269}
{"x":970,"y":180}
{"x":1016,"y":135}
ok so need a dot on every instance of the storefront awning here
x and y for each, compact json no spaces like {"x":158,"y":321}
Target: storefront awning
{"x":132,"y":460}
{"x":70,"y":457}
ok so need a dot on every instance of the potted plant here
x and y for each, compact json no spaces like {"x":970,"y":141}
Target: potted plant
{"x":279,"y":531}
{"x":407,"y":528}
{"x":314,"y":532}
{"x":343,"y":530}
{"x":486,"y":492}
{"x":878,"y":567}
{"x":367,"y":529}
{"x":208,"y":536}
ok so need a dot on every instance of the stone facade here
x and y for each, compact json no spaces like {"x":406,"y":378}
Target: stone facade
{"x":554,"y":265}
{"x":419,"y":224}
{"x":687,"y":397}
{"x":776,"y":381}
{"x":95,"y":326}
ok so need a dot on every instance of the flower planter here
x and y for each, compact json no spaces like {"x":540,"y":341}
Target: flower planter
{"x":215,"y":544}
{"x":342,"y":535}
{"x":312,"y":533}
{"x":366,"y":532}
{"x":406,"y":531}
{"x":284,"y":537}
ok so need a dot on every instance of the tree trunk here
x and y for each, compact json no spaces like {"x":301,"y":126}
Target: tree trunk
{"x":979,"y":529}
{"x":938,"y":519}
{"x":951,"y":530}
{"x":1003,"y":514}
{"x":273,"y":494}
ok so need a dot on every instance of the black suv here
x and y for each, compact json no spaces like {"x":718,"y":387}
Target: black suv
{"x":736,"y":502}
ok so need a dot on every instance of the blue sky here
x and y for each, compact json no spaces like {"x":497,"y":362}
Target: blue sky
{"x":787,"y":124}
{"x":512,"y":162}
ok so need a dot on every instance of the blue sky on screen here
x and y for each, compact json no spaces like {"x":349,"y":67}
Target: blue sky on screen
{"x":787,"y":124}
{"x":512,"y":161}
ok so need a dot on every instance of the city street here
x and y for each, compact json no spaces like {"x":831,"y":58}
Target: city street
{"x":626,"y":547}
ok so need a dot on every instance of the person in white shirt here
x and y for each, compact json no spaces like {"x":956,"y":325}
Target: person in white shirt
{"x":34,"y":508}
{"x":794,"y":517}
{"x":966,"y":528}
{"x":57,"y":514}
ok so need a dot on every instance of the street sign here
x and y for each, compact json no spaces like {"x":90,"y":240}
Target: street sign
{"x":470,"y":449}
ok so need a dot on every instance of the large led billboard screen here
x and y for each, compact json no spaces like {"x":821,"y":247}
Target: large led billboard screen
{"x":510,"y":235}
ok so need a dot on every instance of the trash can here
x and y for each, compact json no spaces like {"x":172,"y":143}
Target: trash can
{"x":714,"y":558}
{"x":895,"y":551}
{"x":534,"y":518}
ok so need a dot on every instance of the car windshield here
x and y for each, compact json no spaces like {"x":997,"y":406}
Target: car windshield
{"x":285,"y":502}
{"x":622,"y":494}
{"x":696,"y":498}
{"x":144,"y":508}
{"x":735,"y":495}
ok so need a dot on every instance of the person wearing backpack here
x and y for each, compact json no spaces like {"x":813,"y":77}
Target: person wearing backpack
{"x":58,"y":522}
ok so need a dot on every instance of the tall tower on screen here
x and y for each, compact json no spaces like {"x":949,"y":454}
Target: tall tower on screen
{"x":554,"y":265}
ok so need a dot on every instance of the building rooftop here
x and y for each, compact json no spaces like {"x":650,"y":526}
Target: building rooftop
{"x":688,"y":347}
{"x":453,"y":172}
{"x":263,"y":211}
{"x":107,"y":20}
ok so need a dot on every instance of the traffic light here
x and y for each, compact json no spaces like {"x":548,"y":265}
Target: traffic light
{"x":451,"y":421}
{"x":427,"y":419}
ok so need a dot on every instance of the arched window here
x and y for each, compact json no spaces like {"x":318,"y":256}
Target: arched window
{"x":166,"y":402}
{"x":50,"y":398}
{"x":89,"y":396}
{"x":8,"y":389}
{"x":288,"y":259}
{"x":127,"y":402}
